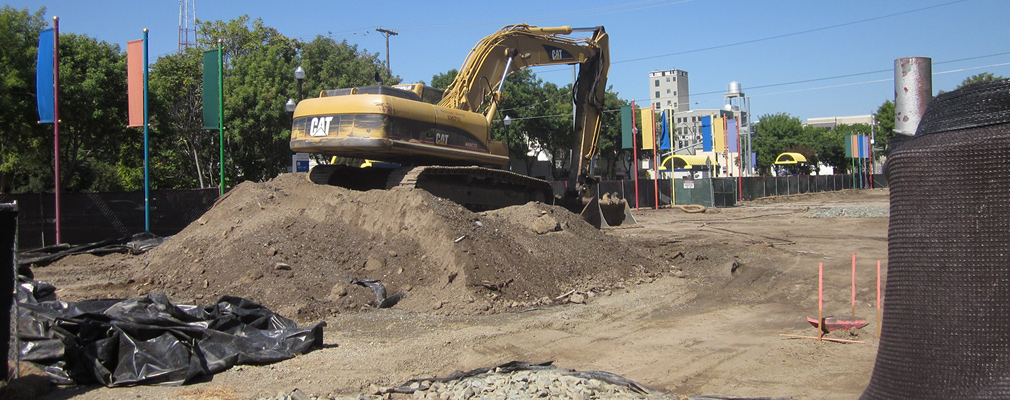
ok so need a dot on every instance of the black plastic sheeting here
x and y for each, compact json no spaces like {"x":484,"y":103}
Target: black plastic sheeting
{"x":134,"y":244}
{"x":150,"y":341}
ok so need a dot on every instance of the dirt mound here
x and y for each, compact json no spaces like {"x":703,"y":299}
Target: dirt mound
{"x":292,"y":246}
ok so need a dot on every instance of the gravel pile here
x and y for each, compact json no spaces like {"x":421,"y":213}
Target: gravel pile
{"x":881,"y":211}
{"x":552,"y":383}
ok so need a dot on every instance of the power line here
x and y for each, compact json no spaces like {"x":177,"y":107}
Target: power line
{"x":863,"y":82}
{"x":721,"y":46}
{"x":851,"y":75}
{"x":820,"y":87}
{"x":789,"y":34}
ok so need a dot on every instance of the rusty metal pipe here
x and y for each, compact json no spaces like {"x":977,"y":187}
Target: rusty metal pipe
{"x":913,"y":89}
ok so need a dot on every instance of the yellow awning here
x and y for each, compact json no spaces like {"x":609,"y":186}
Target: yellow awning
{"x":790,"y":158}
{"x":686,"y":161}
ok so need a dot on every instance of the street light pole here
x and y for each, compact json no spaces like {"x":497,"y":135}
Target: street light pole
{"x":299,"y":76}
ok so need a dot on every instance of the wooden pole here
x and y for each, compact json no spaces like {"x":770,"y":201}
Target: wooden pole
{"x":853,"y":285}
{"x":879,"y":319}
{"x":820,"y":301}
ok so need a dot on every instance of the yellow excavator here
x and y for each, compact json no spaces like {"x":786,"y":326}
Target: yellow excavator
{"x":441,"y":141}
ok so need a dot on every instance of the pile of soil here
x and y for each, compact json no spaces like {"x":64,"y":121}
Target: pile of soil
{"x":293,"y":246}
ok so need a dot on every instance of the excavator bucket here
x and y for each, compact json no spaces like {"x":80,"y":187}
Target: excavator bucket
{"x":612,"y":211}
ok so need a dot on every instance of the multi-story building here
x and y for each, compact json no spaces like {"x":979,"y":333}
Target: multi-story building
{"x":669,"y":90}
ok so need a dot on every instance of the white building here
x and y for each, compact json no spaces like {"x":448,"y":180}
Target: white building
{"x":669,"y":90}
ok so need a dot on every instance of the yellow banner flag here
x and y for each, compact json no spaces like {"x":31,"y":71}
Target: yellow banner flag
{"x":648,"y":129}
{"x":718,"y":135}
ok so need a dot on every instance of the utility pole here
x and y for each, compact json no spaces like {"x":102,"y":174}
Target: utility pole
{"x":387,"y":33}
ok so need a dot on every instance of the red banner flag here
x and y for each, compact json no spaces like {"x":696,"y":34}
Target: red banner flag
{"x":135,"y":81}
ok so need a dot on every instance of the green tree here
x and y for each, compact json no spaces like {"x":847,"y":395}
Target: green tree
{"x":773,"y":135}
{"x":839,"y":161}
{"x":610,"y":133}
{"x":23,"y":153}
{"x":329,"y":64}
{"x":442,"y":80}
{"x":977,"y":78}
{"x":186,"y":154}
{"x":884,"y":118}
{"x":530,"y":105}
{"x":257,"y":83}
{"x":259,"y":79}
{"x":99,"y":154}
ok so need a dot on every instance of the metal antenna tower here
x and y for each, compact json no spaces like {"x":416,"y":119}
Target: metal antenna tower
{"x":187,"y":23}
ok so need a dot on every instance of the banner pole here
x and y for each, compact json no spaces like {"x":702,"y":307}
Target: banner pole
{"x":56,"y":123}
{"x":673,"y":180}
{"x":220,"y":108}
{"x":655,"y":162}
{"x":147,"y":159}
{"x":634,"y":145}
{"x":739,"y":160}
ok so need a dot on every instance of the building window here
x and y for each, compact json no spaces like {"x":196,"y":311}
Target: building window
{"x":674,"y":92}
{"x":659,"y":106}
{"x":668,"y":79}
{"x":668,"y":102}
{"x":675,"y":79}
{"x":657,"y":82}
{"x":657,"y":94}
{"x":667,"y":91}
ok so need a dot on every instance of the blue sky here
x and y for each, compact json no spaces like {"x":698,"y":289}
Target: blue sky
{"x":805,"y":58}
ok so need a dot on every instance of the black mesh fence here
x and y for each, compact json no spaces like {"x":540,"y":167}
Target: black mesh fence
{"x":8,"y":235}
{"x":945,"y":325}
{"x":725,"y":191}
{"x":92,"y":217}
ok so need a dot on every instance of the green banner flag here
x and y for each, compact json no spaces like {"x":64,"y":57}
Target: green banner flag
{"x":627,"y":140}
{"x":848,"y":146}
{"x":211,"y":86}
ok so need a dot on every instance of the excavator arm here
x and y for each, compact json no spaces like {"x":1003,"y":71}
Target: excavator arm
{"x":477,"y":88}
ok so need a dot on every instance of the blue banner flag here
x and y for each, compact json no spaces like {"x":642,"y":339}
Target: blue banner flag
{"x":731,"y":135}
{"x":706,"y":133}
{"x":664,"y":140}
{"x":44,"y":88}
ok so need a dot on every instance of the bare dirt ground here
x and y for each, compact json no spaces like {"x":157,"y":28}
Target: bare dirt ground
{"x":683,"y":303}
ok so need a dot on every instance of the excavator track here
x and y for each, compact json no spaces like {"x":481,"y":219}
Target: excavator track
{"x":476,"y":188}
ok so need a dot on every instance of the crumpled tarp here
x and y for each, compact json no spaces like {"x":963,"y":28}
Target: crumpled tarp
{"x":150,"y":341}
{"x":133,"y":244}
